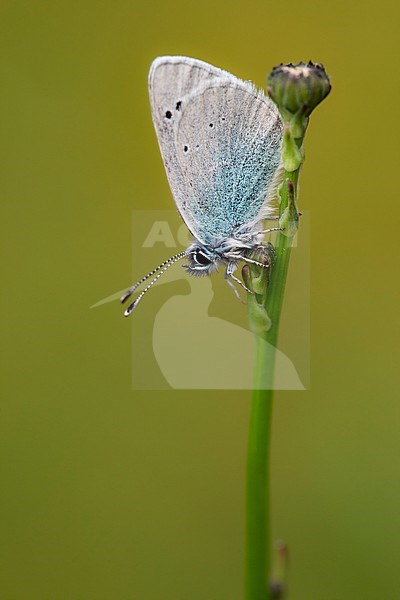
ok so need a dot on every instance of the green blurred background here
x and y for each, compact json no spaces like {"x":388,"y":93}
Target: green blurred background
{"x":111,"y":493}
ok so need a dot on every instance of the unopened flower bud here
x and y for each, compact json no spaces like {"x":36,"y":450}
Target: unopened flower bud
{"x":256,"y":278}
{"x":298,"y":89}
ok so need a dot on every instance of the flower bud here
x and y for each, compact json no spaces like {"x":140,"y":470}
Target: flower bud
{"x":256,"y":278}
{"x":259,"y":320}
{"x":298,"y":89}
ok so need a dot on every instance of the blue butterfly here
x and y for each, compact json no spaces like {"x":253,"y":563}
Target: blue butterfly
{"x":220,"y":140}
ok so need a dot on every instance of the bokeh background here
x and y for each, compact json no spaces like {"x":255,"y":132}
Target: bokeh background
{"x":112,"y":493}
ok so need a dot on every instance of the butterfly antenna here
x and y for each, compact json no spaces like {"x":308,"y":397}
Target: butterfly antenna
{"x":134,"y":287}
{"x":161,"y":270}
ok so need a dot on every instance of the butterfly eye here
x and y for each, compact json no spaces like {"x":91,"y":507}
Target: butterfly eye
{"x":201,"y":258}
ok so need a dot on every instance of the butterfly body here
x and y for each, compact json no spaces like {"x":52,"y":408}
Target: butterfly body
{"x":220,"y":141}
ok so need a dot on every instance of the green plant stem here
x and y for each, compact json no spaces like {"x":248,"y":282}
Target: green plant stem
{"x":258,"y":523}
{"x":258,"y":503}
{"x":296,"y":89}
{"x":258,"y":556}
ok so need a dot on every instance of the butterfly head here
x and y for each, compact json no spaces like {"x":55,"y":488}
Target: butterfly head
{"x":203,"y":260}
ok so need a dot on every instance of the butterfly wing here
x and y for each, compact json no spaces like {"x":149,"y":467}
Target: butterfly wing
{"x":171,"y":80}
{"x":220,"y":140}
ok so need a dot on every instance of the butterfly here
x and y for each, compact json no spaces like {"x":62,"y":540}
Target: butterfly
{"x":220,"y":140}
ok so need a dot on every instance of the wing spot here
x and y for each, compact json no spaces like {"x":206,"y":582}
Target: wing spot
{"x":168,"y":114}
{"x":178,"y":105}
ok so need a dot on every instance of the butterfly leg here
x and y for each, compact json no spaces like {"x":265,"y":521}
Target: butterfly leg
{"x":232,"y":285}
{"x":264,"y":249}
{"x":255,"y":262}
{"x":232,"y":266}
{"x":271,"y":229}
